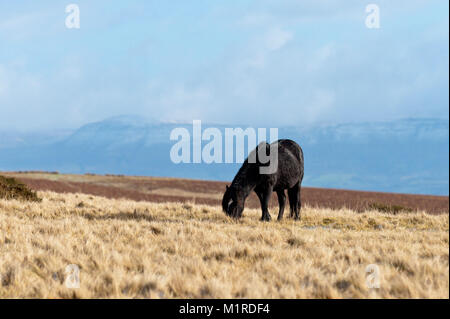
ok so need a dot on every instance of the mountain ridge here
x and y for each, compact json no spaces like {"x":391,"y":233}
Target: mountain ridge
{"x":405,"y":156}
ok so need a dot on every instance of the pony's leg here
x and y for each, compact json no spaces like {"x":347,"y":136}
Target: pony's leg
{"x":260,"y":197}
{"x":294,"y":201}
{"x":264,"y":197}
{"x":299,"y":200}
{"x":281,"y":203}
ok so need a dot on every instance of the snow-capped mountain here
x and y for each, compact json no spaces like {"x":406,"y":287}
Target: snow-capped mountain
{"x":409,"y":155}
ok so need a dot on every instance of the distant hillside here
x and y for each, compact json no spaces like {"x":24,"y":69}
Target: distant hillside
{"x":407,"y":156}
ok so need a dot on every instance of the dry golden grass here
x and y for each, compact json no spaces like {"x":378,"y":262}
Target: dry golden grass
{"x":137,"y":249}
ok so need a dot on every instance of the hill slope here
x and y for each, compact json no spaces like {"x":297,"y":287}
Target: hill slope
{"x":405,"y":156}
{"x":160,"y":190}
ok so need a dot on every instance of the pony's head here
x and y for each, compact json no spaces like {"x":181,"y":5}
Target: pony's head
{"x":233,"y":202}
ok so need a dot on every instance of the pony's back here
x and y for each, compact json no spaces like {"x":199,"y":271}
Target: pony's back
{"x":293,"y":147}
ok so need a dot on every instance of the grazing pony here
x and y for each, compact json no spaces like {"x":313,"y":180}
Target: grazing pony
{"x":288,"y":174}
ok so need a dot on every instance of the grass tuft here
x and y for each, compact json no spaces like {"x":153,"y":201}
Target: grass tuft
{"x":392,"y":209}
{"x":10,"y":188}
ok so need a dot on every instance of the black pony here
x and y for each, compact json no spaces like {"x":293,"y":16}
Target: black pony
{"x":288,"y":174}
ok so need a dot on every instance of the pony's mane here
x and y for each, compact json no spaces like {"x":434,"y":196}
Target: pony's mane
{"x":242,"y":177}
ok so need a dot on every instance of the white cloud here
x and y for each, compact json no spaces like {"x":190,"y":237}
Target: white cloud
{"x":277,"y":38}
{"x":289,"y":62}
{"x":26,"y":25}
{"x":321,"y":102}
{"x":3,"y":81}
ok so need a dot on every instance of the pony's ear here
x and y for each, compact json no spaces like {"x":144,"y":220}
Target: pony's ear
{"x":227,"y":187}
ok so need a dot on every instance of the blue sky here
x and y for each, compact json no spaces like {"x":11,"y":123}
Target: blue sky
{"x":261,"y":62}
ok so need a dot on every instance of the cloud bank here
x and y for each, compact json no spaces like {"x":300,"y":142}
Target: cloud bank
{"x":259,"y":63}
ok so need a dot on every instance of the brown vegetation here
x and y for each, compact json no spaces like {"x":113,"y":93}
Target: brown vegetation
{"x":10,"y":188}
{"x":162,"y":190}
